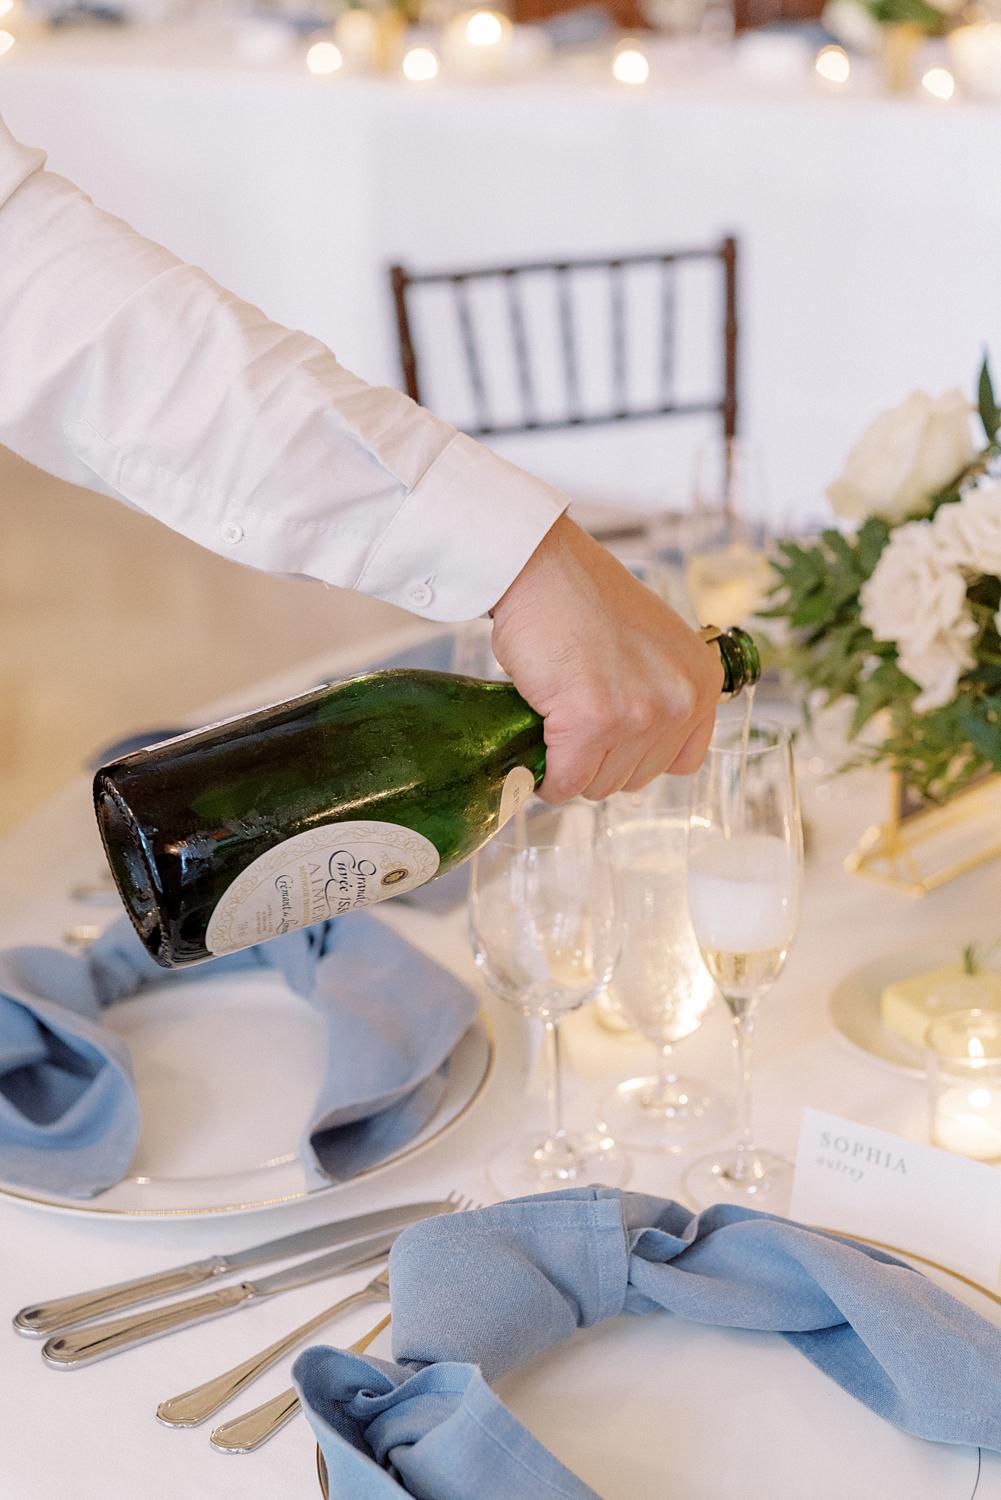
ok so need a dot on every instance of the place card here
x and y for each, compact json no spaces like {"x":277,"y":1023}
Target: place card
{"x":856,"y":1180}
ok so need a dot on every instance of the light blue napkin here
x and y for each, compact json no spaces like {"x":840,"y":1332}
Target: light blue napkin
{"x":476,"y":1294}
{"x":69,"y":1116}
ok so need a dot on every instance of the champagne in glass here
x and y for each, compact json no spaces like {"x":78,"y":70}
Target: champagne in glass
{"x":745,"y":864}
{"x":741,"y":899}
{"x":660,"y":981}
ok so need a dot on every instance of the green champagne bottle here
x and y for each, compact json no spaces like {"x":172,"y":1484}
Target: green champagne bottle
{"x":305,"y":810}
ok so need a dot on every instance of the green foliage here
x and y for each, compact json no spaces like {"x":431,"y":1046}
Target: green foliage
{"x":907,"y":13}
{"x":817,"y":592}
{"x":934,"y":752}
{"x":990,"y":415}
{"x":976,"y":955}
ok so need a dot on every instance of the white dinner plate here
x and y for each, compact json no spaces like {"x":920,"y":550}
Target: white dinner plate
{"x":853,"y":1007}
{"x":656,"y":1408}
{"x":227,"y":1071}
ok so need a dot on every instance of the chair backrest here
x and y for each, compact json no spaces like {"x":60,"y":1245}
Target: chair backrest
{"x":559,"y":279}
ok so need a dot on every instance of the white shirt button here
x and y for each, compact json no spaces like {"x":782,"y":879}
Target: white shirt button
{"x":420,"y":596}
{"x":232,"y":532}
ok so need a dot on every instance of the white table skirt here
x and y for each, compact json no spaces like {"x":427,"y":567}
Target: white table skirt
{"x":642,"y":1409}
{"x":868,"y":225}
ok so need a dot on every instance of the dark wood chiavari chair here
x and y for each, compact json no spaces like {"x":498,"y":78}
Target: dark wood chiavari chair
{"x":408,"y":286}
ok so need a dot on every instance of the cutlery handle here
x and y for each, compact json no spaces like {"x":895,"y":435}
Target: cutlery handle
{"x":193,"y":1406}
{"x":66,"y":1351}
{"x":360,"y":1345}
{"x":248,"y":1432}
{"x":49,"y":1317}
{"x":244,"y":1434}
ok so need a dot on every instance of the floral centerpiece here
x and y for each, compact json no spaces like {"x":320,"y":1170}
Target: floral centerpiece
{"x":895,"y":29}
{"x":902,"y":614}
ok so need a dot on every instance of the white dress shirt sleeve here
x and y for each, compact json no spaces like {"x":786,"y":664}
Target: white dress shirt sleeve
{"x":129,"y":372}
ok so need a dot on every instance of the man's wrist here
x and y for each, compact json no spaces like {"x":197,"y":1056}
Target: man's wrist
{"x":559,"y":541}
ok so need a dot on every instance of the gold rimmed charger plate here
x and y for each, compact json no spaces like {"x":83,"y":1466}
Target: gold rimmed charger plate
{"x":201,"y":1051}
{"x":994,"y":1296}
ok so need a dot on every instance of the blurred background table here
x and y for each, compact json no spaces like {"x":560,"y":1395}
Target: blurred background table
{"x":865,"y":223}
{"x":866,"y":228}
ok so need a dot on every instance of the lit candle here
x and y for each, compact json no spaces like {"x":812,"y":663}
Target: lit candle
{"x":833,"y":65}
{"x":968,"y":1121}
{"x":420,"y":65}
{"x":6,"y":42}
{"x":939,"y":83}
{"x":964,"y":1077}
{"x":323,"y":58}
{"x":477,"y":44}
{"x":630,"y":64}
{"x":975,"y":52}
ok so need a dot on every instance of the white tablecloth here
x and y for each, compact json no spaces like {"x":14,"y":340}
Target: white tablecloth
{"x":641,"y":1408}
{"x":869,"y":226}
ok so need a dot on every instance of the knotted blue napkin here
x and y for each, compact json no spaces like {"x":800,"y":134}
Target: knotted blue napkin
{"x":69,"y":1115}
{"x":476,"y":1294}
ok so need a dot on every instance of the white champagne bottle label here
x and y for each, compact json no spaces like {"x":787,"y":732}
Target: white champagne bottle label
{"x":325,"y":872}
{"x":519,"y":785}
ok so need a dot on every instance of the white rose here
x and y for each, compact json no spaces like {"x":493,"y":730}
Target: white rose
{"x":905,"y":457}
{"x":914,"y":594}
{"x":969,"y":532}
{"x":938,"y":668}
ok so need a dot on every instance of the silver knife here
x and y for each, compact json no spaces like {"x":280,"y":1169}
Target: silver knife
{"x":44,"y":1318}
{"x":67,"y":1351}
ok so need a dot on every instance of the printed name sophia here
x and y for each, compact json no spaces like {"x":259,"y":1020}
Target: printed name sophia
{"x":851,"y":1156}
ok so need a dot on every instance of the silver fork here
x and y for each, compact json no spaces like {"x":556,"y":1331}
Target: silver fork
{"x":192,"y":1407}
{"x":250,"y":1431}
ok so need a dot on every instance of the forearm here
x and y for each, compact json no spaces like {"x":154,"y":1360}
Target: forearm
{"x":125,"y":370}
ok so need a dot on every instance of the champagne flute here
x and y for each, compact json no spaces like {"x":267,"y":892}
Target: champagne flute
{"x":660,"y":981}
{"x":745,"y":874}
{"x":545,"y":924}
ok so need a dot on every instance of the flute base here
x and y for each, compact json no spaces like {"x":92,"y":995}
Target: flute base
{"x":674,"y":1114}
{"x":766,"y":1182}
{"x":530,"y":1165}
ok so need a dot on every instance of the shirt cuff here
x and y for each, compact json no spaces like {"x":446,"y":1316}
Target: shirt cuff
{"x":461,"y":536}
{"x":17,"y":163}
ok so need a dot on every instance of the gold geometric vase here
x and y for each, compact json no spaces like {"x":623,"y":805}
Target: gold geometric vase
{"x":923,"y":845}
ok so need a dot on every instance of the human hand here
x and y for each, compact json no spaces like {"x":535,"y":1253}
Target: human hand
{"x":626,"y":688}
